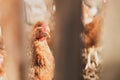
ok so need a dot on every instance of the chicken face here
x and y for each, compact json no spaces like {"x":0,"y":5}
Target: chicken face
{"x":41,"y":31}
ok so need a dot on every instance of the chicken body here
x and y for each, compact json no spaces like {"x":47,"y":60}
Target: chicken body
{"x":93,"y":16}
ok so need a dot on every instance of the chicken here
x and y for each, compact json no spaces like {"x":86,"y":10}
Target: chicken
{"x":42,"y":66}
{"x":2,"y":60}
{"x":93,"y":16}
{"x":2,"y":65}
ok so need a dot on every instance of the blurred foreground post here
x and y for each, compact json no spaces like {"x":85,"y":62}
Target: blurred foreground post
{"x":69,"y":27}
{"x":12,"y":36}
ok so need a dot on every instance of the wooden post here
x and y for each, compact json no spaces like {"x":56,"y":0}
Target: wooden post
{"x":69,"y":27}
{"x":10,"y":21}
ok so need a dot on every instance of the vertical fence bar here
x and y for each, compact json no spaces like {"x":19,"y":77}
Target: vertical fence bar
{"x":68,"y":59}
{"x":12,"y":36}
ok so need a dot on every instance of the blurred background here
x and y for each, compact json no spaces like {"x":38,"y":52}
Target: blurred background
{"x":111,"y":41}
